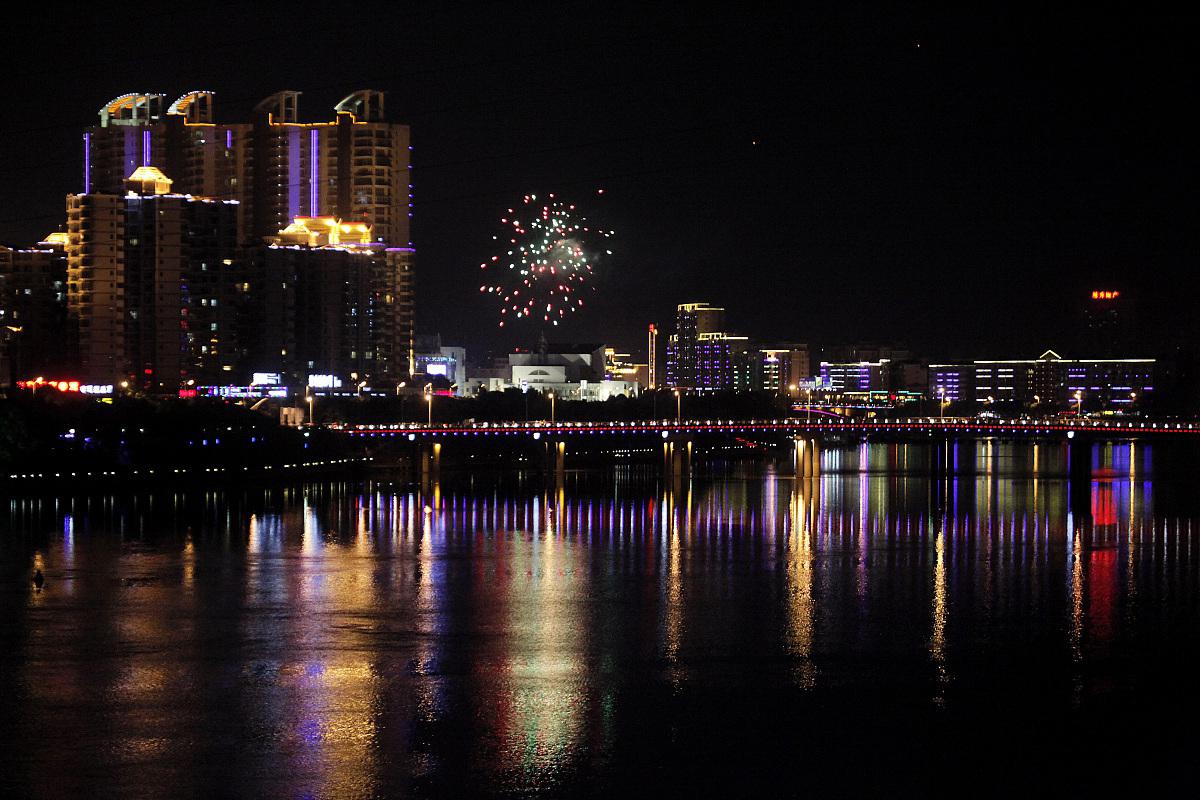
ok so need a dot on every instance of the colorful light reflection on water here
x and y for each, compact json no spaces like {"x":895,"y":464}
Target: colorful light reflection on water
{"x":510,"y":637}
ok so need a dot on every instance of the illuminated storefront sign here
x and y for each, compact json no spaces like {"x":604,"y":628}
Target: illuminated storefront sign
{"x":324,"y":381}
{"x":240,"y":391}
{"x":74,"y":387}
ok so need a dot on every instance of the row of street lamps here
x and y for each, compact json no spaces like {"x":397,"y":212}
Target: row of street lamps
{"x":1037,"y":399}
{"x":312,"y":398}
{"x":428,"y":390}
{"x":429,"y":401}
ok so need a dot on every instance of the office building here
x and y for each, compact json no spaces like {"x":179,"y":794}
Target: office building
{"x":703,"y":357}
{"x":855,"y":376}
{"x":619,"y":367}
{"x":432,"y":358}
{"x":1108,"y":323}
{"x":1048,"y":381}
{"x":692,"y":320}
{"x":864,"y":351}
{"x":782,"y":366}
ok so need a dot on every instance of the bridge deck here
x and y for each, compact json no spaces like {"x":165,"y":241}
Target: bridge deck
{"x":666,"y":429}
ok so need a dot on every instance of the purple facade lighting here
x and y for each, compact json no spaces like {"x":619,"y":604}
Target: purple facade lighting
{"x":314,"y":172}
{"x":87,"y":163}
{"x":145,"y":148}
{"x":229,"y":140}
{"x":129,"y":140}
{"x":293,"y":174}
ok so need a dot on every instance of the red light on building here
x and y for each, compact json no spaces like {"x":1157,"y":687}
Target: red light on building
{"x":74,"y":387}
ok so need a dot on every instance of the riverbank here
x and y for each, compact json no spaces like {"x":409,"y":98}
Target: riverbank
{"x":57,"y":441}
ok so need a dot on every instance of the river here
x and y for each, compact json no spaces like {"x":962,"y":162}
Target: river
{"x":1017,"y":626}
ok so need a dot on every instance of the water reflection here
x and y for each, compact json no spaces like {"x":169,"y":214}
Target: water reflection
{"x":346,"y":640}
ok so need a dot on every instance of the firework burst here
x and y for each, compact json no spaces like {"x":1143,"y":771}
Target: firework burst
{"x":547,"y":251}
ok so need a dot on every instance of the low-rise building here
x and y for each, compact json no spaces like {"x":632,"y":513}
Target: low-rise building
{"x":1049,"y":381}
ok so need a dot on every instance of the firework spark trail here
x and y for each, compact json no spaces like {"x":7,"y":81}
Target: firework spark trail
{"x":549,"y":253}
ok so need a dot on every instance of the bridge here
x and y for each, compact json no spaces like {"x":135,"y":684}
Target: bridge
{"x":545,"y":442}
{"x":667,"y":429}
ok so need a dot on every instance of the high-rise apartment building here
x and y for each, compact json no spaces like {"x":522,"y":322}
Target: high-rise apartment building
{"x":276,"y":245}
{"x":152,"y":284}
{"x":355,"y":167}
{"x":328,"y":300}
{"x":33,"y":286}
{"x":96,"y":283}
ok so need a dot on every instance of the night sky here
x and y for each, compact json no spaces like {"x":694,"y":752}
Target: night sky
{"x":954,"y":182}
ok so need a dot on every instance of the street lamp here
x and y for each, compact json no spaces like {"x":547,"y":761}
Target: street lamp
{"x":429,"y":403}
{"x":941,"y":402}
{"x":403,"y":397}
{"x":678,"y":407}
{"x":1078,"y":403}
{"x":551,"y":408}
{"x":311,"y":399}
{"x":808,"y":406}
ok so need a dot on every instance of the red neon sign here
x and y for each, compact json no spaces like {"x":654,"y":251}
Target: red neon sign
{"x":66,"y":386}
{"x":62,"y":386}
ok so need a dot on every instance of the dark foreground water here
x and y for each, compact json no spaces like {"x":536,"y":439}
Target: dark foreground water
{"x":1022,"y":627}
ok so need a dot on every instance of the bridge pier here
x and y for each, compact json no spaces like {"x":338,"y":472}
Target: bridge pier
{"x":941,"y":461}
{"x":430,"y":457}
{"x":677,"y":459}
{"x":552,"y":459}
{"x":560,"y":459}
{"x":806,"y":456}
{"x":1079,"y":460}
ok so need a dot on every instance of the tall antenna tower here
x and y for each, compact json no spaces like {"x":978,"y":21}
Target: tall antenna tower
{"x":652,"y":358}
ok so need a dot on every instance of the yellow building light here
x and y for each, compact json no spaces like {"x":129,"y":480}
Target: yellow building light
{"x":150,"y":180}
{"x":323,"y":231}
{"x":56,"y":239}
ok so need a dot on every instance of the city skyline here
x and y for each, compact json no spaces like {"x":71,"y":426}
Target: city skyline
{"x":564,"y":399}
{"x":931,"y":174}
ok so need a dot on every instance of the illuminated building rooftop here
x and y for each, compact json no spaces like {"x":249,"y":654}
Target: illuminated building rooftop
{"x":56,"y":239}
{"x":197,"y":106}
{"x":325,"y":231}
{"x":135,"y":108}
{"x":148,"y":180}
